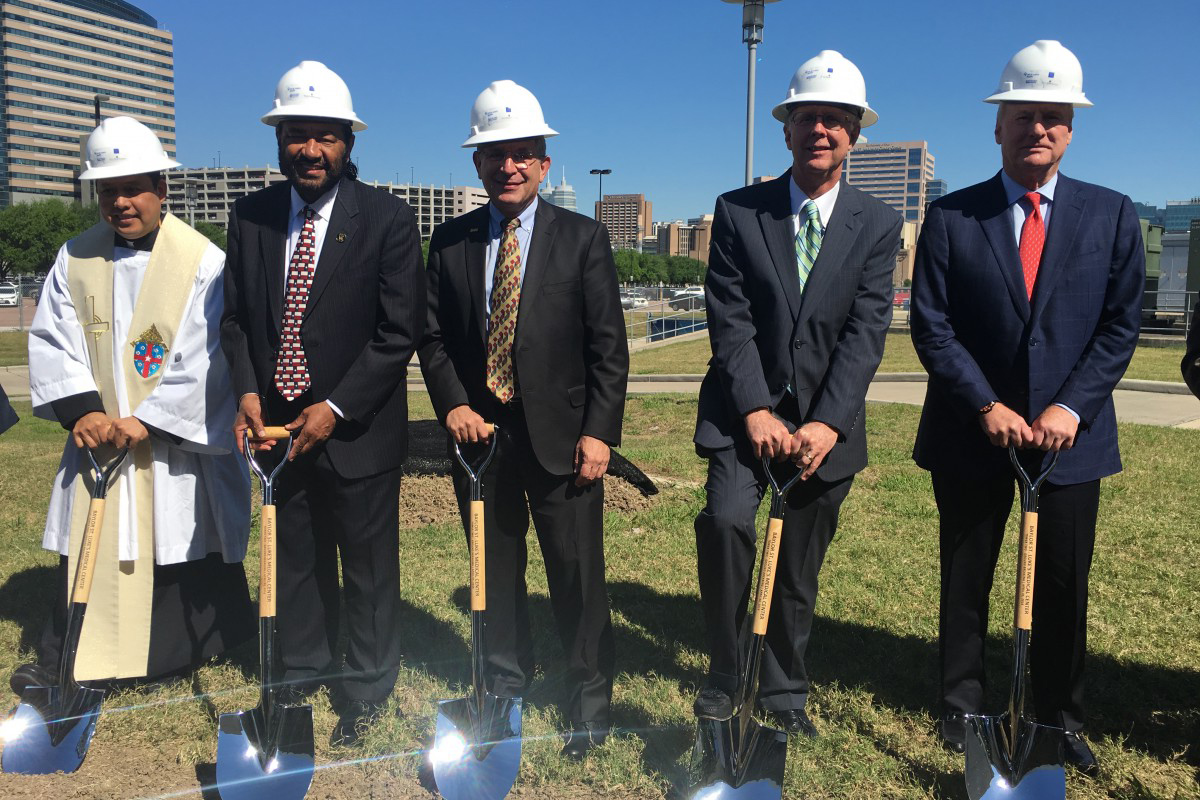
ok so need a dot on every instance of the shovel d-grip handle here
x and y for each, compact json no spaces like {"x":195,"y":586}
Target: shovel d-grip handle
{"x":271,"y":432}
{"x":1027,"y":543}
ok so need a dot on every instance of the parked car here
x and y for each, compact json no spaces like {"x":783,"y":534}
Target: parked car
{"x":8,"y":294}
{"x":630,"y":300}
{"x":688,"y":300}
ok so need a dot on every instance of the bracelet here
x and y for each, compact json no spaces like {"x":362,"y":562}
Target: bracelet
{"x":987,"y":408}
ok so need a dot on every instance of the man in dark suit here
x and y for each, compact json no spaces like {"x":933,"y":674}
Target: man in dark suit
{"x":324,"y":305}
{"x":1190,"y":365}
{"x":1025,"y":311}
{"x":525,"y":330}
{"x":798,"y":292}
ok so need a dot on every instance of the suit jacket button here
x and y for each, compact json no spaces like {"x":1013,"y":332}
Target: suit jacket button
{"x":797,"y":344}
{"x":1033,"y":342}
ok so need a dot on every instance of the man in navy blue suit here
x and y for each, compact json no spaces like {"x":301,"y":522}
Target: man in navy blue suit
{"x":1025,"y":311}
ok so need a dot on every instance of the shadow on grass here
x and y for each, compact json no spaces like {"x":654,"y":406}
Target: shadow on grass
{"x":26,"y":599}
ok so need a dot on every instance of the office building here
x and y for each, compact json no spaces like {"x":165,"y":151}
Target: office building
{"x":897,"y":173}
{"x":1178,"y":214}
{"x":627,"y":217}
{"x":690,"y":239}
{"x":935,"y":189}
{"x":1150,"y":213}
{"x":562,"y":195}
{"x":63,"y":59}
{"x":218,"y":187}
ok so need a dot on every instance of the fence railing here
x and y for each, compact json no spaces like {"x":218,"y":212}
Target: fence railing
{"x":19,"y":296}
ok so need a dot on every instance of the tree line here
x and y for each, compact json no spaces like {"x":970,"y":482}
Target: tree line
{"x":652,"y":268}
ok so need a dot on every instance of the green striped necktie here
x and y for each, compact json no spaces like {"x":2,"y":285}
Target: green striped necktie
{"x":808,"y":240}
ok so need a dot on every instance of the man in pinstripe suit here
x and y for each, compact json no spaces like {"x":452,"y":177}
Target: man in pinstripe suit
{"x":799,"y":292}
{"x":324,"y":305}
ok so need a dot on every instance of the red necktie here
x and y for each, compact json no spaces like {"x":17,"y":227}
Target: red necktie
{"x":1033,"y":237}
{"x":291,"y":370}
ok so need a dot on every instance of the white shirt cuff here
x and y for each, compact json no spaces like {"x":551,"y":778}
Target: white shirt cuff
{"x":1068,"y":409}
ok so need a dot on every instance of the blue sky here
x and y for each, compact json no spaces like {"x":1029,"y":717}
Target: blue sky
{"x":656,"y":89}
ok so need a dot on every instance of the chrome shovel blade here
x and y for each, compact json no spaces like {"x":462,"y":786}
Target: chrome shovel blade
{"x":254,"y":763}
{"x":747,"y":765}
{"x":477,"y":748}
{"x":1033,"y":771}
{"x":50,"y":730}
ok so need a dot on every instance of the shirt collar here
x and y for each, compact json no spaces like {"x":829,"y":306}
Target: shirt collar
{"x":323,"y":206}
{"x":145,"y":243}
{"x":525,"y":217}
{"x":1014,"y":191}
{"x":824,"y":203}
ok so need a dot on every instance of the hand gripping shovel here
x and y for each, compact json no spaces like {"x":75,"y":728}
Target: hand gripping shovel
{"x":477,"y":748}
{"x":267,"y":751}
{"x":52,"y":727}
{"x":739,"y":757}
{"x":1009,"y":756}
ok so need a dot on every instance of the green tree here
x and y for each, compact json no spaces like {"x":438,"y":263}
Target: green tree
{"x":215,"y":233}
{"x":31,"y":233}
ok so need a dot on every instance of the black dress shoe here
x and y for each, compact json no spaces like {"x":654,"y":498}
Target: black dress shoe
{"x":1077,"y":753}
{"x":795,"y":720}
{"x":583,"y":737}
{"x":953,"y":730}
{"x":713,"y":704}
{"x":355,"y":718}
{"x":28,"y":675}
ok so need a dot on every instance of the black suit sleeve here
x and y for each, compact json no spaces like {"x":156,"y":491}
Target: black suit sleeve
{"x":1191,"y":360}
{"x":731,"y":327}
{"x":859,"y":347}
{"x":446,"y":391}
{"x":235,"y":318}
{"x":605,"y":351}
{"x":383,"y":363}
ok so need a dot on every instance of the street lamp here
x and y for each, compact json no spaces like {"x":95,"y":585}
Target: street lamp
{"x":97,"y":99}
{"x":753,"y":12}
{"x":600,"y":205}
{"x":191,"y":198}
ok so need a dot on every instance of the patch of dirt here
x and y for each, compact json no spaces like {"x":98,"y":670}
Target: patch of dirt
{"x":429,"y":500}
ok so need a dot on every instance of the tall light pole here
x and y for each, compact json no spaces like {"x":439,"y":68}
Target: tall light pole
{"x":753,"y":12}
{"x":600,"y":204}
{"x":191,"y":198}
{"x":97,"y":99}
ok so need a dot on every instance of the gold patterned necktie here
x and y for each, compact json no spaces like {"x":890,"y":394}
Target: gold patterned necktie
{"x":502,"y":322}
{"x":808,"y":241}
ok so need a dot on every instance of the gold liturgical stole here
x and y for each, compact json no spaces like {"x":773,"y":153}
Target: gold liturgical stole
{"x":115,"y":642}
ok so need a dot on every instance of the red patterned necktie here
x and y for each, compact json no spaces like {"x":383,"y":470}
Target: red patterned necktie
{"x":291,"y":370}
{"x":502,"y":322}
{"x":1033,"y":237}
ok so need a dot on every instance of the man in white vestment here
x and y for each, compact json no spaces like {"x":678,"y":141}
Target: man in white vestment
{"x":125,"y":352}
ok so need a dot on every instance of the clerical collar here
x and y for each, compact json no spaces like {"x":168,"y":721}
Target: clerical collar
{"x":144,"y":243}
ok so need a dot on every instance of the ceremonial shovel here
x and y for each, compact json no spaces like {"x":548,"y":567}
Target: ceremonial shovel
{"x":267,"y":751}
{"x":52,"y":727}
{"x":739,"y":757}
{"x":1009,"y":756}
{"x":477,"y":748}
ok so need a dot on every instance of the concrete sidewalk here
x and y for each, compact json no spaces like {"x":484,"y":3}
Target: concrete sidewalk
{"x":1143,"y":402}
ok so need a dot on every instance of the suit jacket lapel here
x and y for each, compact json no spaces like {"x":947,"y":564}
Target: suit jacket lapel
{"x":1065,"y":217}
{"x":476,"y":251}
{"x":840,"y":234}
{"x":997,"y":227}
{"x":780,"y":234}
{"x":273,"y":245}
{"x":535,"y":265}
{"x":339,"y":240}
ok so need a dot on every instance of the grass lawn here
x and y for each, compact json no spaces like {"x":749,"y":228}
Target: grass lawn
{"x":872,"y":657}
{"x":1149,"y":363}
{"x":14,"y":348}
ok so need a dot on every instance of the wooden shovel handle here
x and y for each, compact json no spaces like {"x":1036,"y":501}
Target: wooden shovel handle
{"x":478,"y":560}
{"x":271,"y":432}
{"x":766,"y":579}
{"x":87,"y":553}
{"x":1026,"y":559}
{"x":266,"y":563}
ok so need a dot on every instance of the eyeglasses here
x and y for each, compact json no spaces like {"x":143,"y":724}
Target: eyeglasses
{"x":522,"y":159}
{"x":831,"y":121}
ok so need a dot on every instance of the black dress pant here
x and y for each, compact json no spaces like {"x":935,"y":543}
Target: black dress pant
{"x":323,"y":517}
{"x":570,"y":528}
{"x":973,"y":514}
{"x":726,"y":537}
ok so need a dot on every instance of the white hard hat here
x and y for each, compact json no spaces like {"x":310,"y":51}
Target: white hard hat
{"x":827,"y":77}
{"x":1044,"y":72}
{"x":506,"y":110}
{"x":123,"y":146}
{"x":311,"y":89}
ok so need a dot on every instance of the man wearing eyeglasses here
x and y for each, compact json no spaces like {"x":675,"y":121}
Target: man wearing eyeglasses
{"x":525,"y":329}
{"x":798,"y":292}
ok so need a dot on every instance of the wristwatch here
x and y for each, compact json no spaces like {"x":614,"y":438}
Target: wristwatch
{"x":987,"y":408}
